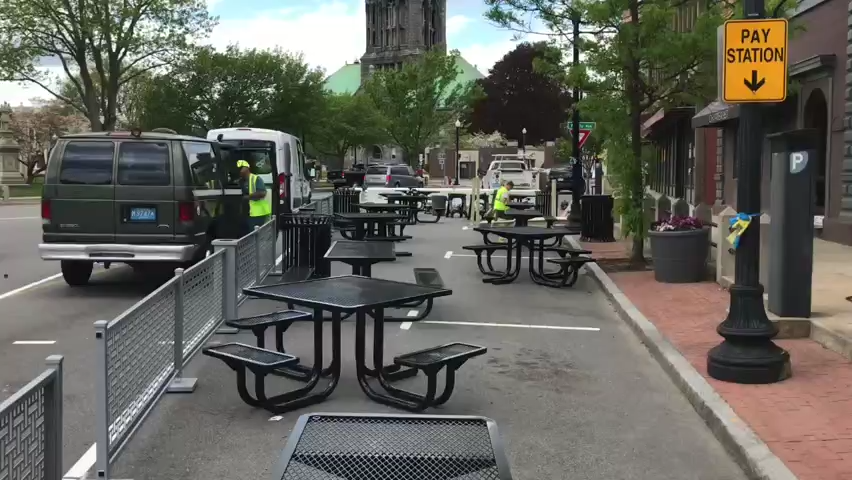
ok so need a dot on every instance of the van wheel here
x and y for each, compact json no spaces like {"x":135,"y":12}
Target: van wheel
{"x":76,"y":273}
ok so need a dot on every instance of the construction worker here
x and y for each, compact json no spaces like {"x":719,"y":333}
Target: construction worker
{"x":501,"y":200}
{"x":254,"y":192}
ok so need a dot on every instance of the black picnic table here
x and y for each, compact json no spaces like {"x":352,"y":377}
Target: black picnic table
{"x":382,"y":207}
{"x":522,"y":217}
{"x":412,"y":201}
{"x":360,"y":295}
{"x":533,"y":238}
{"x":361,"y":255}
{"x":334,"y":446}
{"x":368,"y":223}
{"x":520,"y":205}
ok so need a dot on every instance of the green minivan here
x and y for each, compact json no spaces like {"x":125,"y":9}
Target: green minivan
{"x":139,"y":198}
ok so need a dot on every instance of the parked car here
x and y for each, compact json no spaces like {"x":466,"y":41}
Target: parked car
{"x":140,"y":198}
{"x":392,"y":176}
{"x":562,"y":175}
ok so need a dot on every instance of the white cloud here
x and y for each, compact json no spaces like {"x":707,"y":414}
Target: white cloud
{"x":456,"y":23}
{"x":17,"y":94}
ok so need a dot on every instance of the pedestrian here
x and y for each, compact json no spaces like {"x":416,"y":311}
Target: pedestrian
{"x":254,"y":193}
{"x":501,"y":199}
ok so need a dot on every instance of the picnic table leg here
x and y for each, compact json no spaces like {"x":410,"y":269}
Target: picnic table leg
{"x":364,"y":374}
{"x":359,"y":230}
{"x":542,"y":277}
{"x":302,"y":397}
{"x":513,"y":268}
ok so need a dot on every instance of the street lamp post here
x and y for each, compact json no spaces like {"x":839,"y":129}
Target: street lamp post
{"x":458,"y":153}
{"x":748,"y":354}
{"x":524,"y":142}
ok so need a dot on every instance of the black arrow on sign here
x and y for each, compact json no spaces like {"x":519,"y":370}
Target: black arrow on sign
{"x":754,"y":85}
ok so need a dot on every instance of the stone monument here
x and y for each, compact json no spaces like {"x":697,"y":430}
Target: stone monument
{"x":10,"y":172}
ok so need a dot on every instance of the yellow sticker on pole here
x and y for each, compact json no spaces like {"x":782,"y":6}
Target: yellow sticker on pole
{"x":754,"y":67}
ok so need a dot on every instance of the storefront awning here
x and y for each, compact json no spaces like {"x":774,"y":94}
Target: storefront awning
{"x":716,"y":113}
{"x":663,"y":118}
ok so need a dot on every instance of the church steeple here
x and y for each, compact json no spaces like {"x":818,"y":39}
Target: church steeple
{"x":397,"y":30}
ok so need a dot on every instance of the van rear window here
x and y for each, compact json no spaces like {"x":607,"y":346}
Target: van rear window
{"x":144,"y":163}
{"x":87,"y":163}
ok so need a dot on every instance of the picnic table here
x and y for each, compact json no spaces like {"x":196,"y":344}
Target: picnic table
{"x":368,"y":223}
{"x":333,"y":446}
{"x":522,"y":217}
{"x":520,"y":205}
{"x":533,"y":238}
{"x":361,"y":255}
{"x":362,"y":296}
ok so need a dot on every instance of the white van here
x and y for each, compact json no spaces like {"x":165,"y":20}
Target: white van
{"x":263,"y":146}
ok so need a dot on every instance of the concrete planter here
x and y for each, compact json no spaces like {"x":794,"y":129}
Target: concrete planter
{"x":680,"y":257}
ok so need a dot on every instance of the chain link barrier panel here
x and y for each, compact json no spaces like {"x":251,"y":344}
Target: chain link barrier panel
{"x":31,"y":428}
{"x":142,"y":352}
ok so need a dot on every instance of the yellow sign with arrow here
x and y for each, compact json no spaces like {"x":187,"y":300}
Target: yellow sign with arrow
{"x":754,"y":67}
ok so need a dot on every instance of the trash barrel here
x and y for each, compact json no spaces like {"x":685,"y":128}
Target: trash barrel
{"x":543,"y":201}
{"x":345,"y":200}
{"x":596,"y":222}
{"x":305,"y":237}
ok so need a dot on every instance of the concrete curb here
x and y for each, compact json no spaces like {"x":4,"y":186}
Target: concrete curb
{"x":747,"y":449}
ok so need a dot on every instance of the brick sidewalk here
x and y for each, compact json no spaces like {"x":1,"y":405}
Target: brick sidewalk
{"x":806,"y":421}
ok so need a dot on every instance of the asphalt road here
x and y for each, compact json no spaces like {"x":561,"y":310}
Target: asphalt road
{"x":570,"y":404}
{"x":20,"y":232}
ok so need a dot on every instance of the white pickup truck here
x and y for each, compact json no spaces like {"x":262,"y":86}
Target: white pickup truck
{"x":516,"y":171}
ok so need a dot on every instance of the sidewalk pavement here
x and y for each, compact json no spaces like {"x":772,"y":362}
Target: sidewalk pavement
{"x":805,"y":421}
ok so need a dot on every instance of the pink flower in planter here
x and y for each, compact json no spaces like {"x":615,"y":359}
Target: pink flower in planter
{"x":677,"y":224}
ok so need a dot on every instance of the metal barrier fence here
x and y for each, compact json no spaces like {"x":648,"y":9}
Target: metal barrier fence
{"x":142,"y":352}
{"x":31,"y":428}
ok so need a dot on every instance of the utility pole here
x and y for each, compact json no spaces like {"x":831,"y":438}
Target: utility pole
{"x":748,"y":355}
{"x":577,"y":181}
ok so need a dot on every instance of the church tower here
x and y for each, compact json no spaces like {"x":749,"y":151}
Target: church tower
{"x":400,"y":29}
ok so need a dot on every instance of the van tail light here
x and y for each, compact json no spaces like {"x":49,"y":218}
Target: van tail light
{"x":186,"y":211}
{"x":46,"y":213}
{"x":282,"y":185}
{"x":388,"y":179}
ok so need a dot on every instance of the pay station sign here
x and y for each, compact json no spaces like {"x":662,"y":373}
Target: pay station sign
{"x":754,"y":68}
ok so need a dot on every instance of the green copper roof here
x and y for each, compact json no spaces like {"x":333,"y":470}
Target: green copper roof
{"x":347,"y":79}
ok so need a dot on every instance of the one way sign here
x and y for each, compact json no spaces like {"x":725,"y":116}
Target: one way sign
{"x":754,"y":68}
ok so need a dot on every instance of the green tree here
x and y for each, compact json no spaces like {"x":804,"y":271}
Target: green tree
{"x":250,"y":88}
{"x":98,"y":43}
{"x":420,"y":100}
{"x":345,"y":122}
{"x":633,"y":67}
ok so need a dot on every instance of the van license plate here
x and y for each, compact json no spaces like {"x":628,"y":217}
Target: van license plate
{"x":143,"y":214}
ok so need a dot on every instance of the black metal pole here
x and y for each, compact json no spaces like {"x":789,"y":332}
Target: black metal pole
{"x":458,"y":156}
{"x":524,"y":144}
{"x":577,"y":183}
{"x":748,"y":355}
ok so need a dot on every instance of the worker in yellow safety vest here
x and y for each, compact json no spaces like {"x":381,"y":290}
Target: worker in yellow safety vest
{"x":501,"y":200}
{"x":254,"y":192}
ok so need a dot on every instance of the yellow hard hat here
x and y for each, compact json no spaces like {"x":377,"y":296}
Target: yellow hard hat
{"x":242,"y":164}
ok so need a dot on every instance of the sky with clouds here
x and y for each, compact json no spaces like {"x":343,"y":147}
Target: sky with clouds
{"x":328,"y":32}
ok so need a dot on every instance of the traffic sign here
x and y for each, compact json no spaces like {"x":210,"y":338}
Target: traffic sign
{"x":754,"y":69}
{"x":585,"y":130}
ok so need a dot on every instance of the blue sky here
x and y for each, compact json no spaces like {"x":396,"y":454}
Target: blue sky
{"x":328,"y":32}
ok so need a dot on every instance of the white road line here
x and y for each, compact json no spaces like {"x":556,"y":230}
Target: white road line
{"x":514,"y":325}
{"x":9,"y":219}
{"x":448,"y":254}
{"x":29,"y":286}
{"x":33,"y":342}
{"x":83,"y":465}
{"x":465,"y":228}
{"x":405,"y":325}
{"x":412,"y":313}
